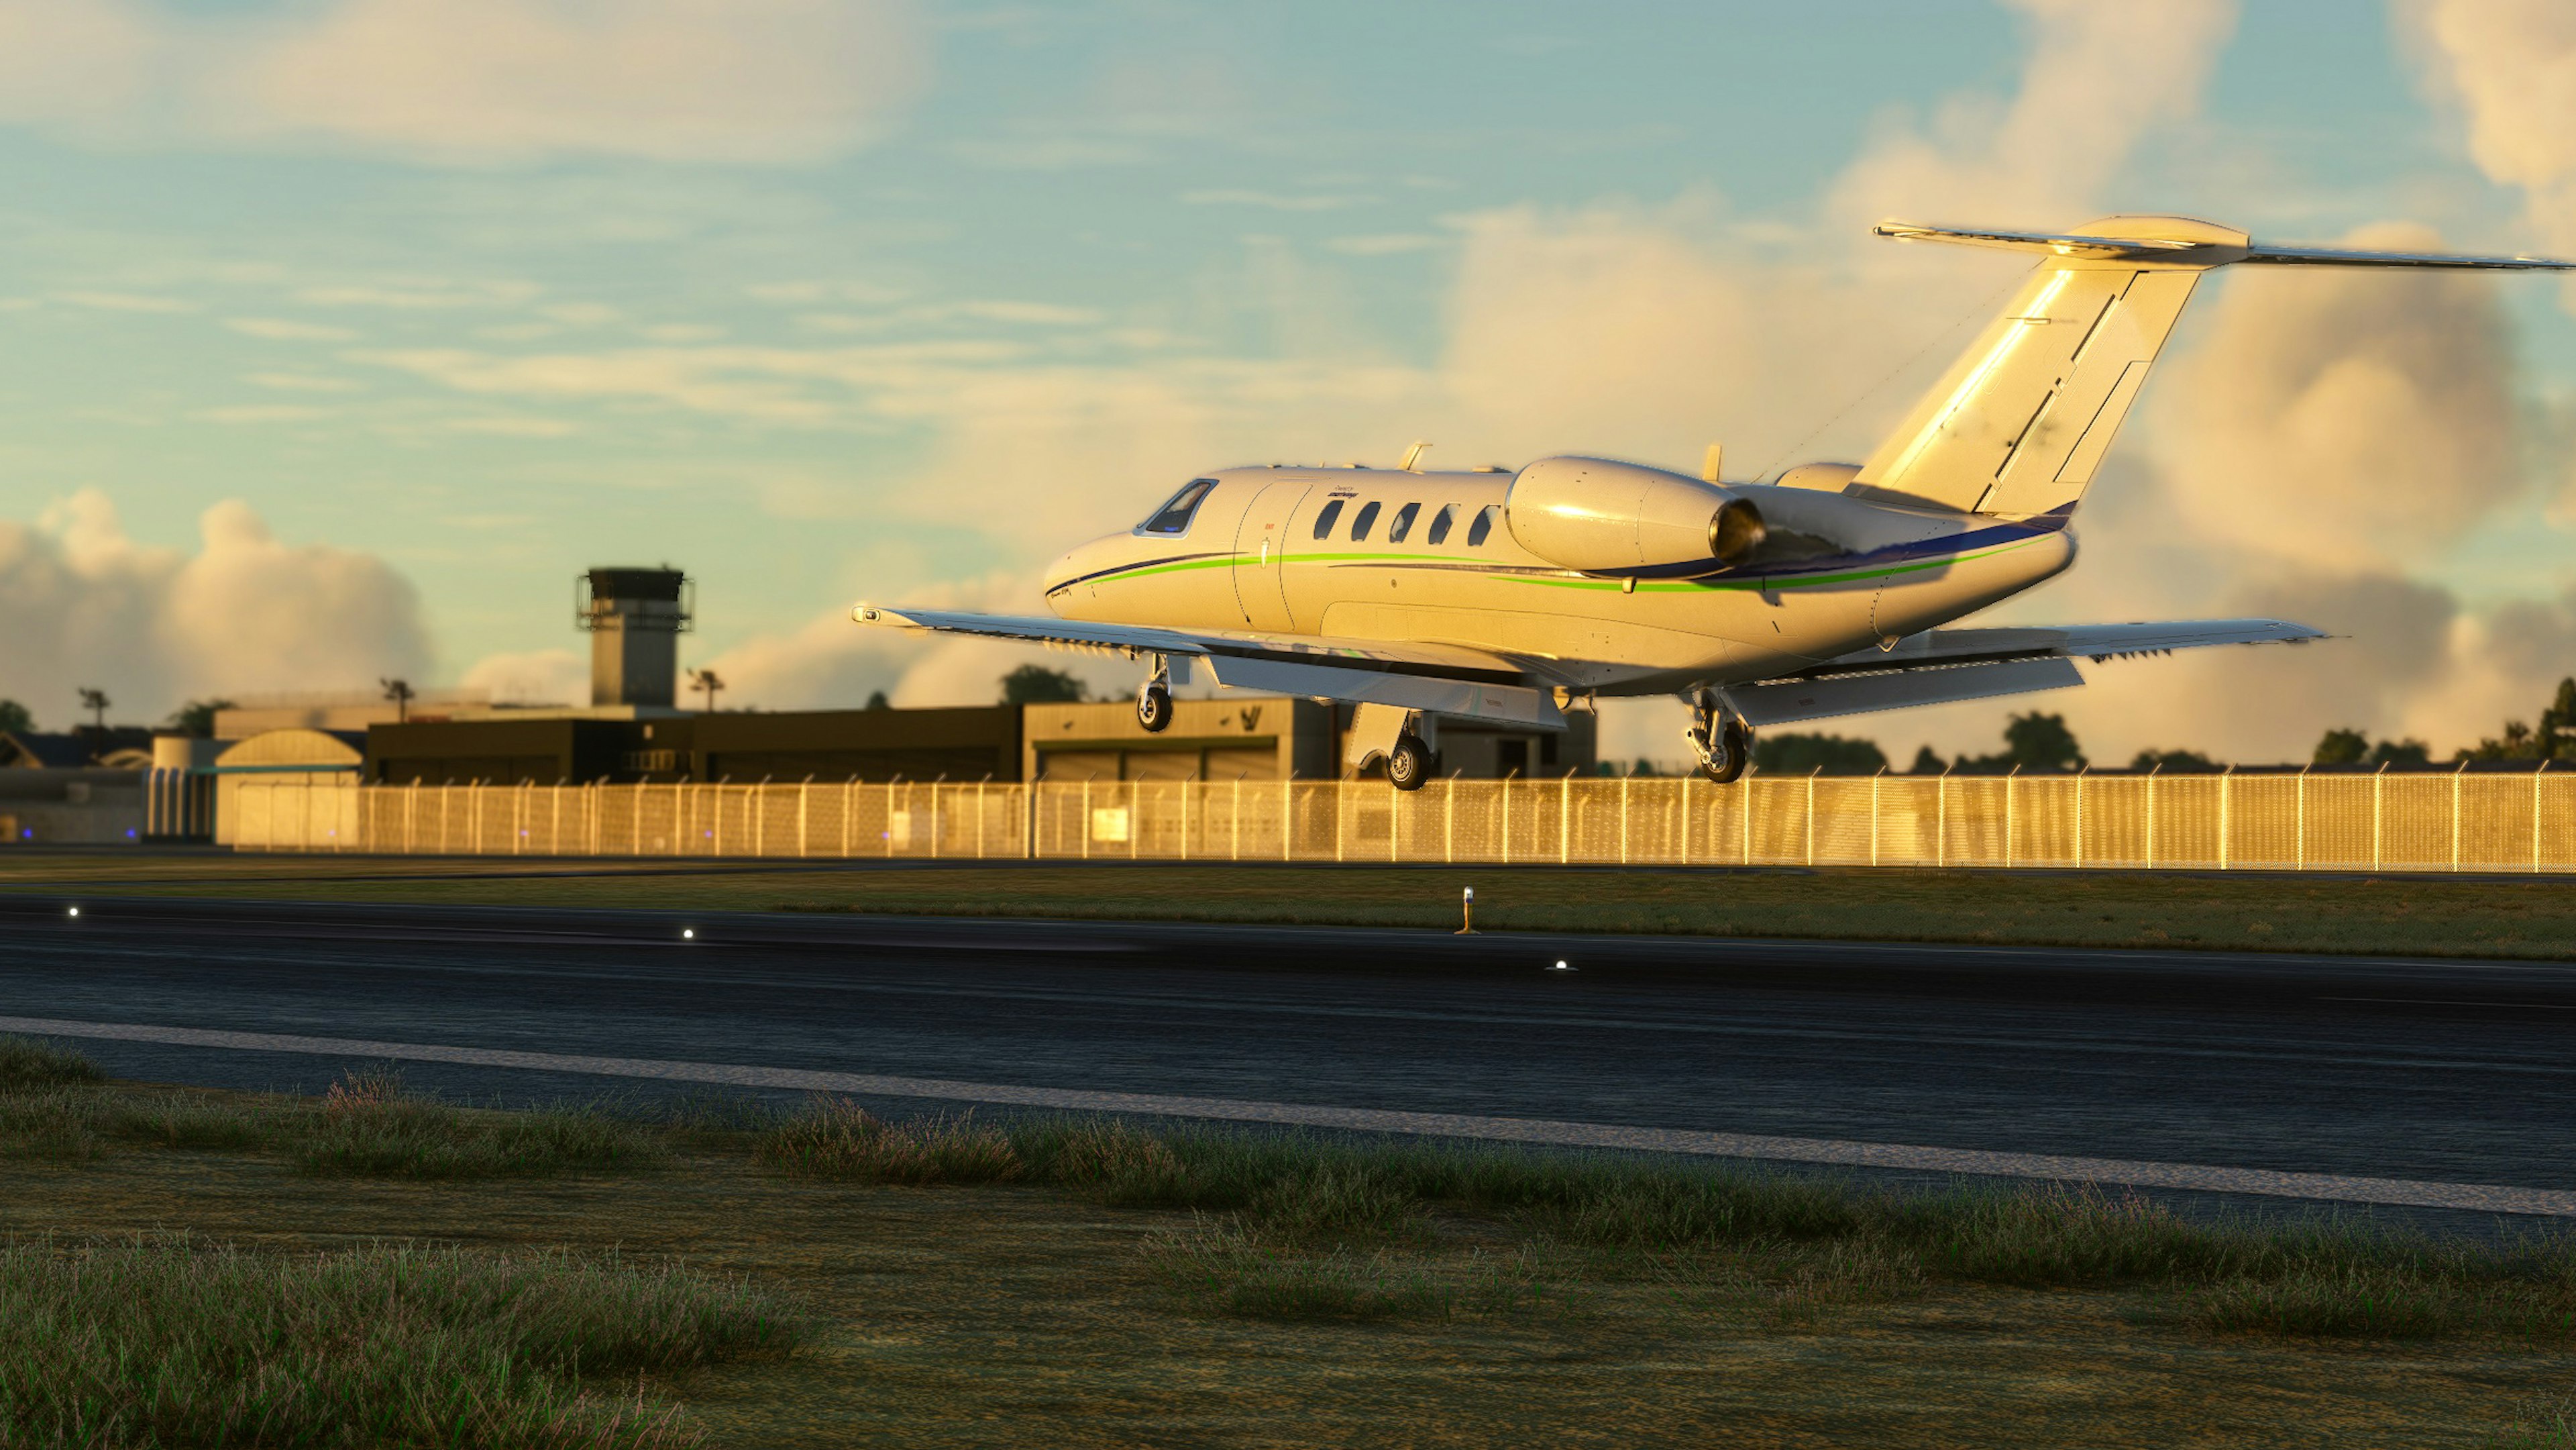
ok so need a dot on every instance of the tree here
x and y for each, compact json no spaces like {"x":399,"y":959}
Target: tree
{"x":2039,"y":742}
{"x":1804,"y":754}
{"x":2400,"y":752}
{"x":15,"y":718}
{"x":877,"y":700}
{"x":197,"y":717}
{"x":1925,"y":762}
{"x":1038,"y":685}
{"x":2342,"y":747}
{"x":2175,"y":762}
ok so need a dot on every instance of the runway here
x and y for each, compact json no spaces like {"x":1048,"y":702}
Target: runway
{"x":2424,"y":1072}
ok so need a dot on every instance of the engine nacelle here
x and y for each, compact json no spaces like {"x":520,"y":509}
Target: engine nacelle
{"x":1604,"y":517}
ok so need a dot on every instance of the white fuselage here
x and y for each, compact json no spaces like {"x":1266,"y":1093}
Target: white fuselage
{"x":1312,"y":551}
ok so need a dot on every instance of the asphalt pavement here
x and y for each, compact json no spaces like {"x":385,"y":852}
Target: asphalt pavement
{"x":2430,"y":1070}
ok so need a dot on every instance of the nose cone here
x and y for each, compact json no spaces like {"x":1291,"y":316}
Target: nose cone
{"x":1069,"y":578}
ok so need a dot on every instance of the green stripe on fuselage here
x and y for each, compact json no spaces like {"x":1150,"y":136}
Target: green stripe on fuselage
{"x":1764,"y":583}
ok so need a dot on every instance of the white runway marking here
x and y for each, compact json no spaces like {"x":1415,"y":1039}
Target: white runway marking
{"x":2117,"y":1172}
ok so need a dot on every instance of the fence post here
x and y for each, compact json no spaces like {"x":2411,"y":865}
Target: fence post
{"x":803,"y":815}
{"x":411,"y":809}
{"x":979,"y":818}
{"x":1623,"y":818}
{"x":1086,"y":818}
{"x":1507,"y":819}
{"x":2151,"y":813}
{"x":2009,"y":781}
{"x":2377,"y":778}
{"x":1564,"y":819}
{"x":2299,"y":858}
{"x":2080,"y":772}
{"x":2225,"y":777}
{"x":1287,"y":819}
{"x":1236,"y":848}
{"x":1449,"y":820}
{"x":2455,"y":813}
{"x":2535,"y":814}
{"x":1681,"y":833}
{"x":1873,"y":814}
{"x":1185,"y":819}
{"x":1744,"y":825}
{"x":1811,"y":813}
{"x":935,"y":782}
{"x":1941,"y":819}
{"x":1341,"y":808}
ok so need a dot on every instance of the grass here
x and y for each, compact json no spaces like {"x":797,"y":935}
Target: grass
{"x":2271,"y":912}
{"x":819,"y":1274}
{"x":167,"y":1340}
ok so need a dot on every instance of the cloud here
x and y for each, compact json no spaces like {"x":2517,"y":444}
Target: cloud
{"x":279,"y":329}
{"x":2096,"y":79}
{"x":245,"y":613}
{"x":2347,"y":419}
{"x":473,"y":82}
{"x":2510,"y":65}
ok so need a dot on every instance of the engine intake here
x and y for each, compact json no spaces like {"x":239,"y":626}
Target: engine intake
{"x":1605,"y":517}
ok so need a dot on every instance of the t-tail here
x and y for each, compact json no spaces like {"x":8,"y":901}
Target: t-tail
{"x":2019,"y":424}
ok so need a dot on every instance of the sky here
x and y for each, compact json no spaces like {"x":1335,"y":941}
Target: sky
{"x":340,"y":335}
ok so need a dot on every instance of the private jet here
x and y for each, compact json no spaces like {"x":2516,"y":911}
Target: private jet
{"x":1827,"y":589}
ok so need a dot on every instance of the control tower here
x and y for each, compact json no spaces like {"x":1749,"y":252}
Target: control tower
{"x":635,"y":618}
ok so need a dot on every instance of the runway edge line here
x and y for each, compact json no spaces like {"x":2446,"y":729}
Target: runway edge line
{"x":2117,"y":1172}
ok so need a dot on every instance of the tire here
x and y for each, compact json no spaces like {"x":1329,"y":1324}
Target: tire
{"x":1408,"y":765}
{"x":1729,"y":754}
{"x":1154,"y":709}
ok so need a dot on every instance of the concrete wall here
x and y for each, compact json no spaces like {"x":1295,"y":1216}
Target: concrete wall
{"x":70,"y":807}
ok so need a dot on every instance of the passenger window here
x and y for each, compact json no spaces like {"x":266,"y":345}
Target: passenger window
{"x":1440,"y":526}
{"x":1324,"y":520}
{"x":1403,"y":524}
{"x":1483,"y":525}
{"x":1361,"y":525}
{"x":1174,"y":517}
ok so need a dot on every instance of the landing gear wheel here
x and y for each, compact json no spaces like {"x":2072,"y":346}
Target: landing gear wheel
{"x":1154,"y":707}
{"x":1725,"y":758}
{"x":1408,"y":765}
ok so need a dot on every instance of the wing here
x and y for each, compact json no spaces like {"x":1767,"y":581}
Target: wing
{"x":1942,"y":666}
{"x":1441,"y":678}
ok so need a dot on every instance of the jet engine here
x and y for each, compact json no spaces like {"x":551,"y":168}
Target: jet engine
{"x":1604,"y":517}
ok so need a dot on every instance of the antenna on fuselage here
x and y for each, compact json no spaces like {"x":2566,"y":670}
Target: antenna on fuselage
{"x":1412,"y":456}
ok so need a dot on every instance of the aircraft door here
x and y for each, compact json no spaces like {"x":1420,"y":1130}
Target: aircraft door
{"x":1260,"y":555}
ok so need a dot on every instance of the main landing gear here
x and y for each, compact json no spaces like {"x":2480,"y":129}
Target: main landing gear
{"x":1408,"y":762}
{"x":1724,"y":742}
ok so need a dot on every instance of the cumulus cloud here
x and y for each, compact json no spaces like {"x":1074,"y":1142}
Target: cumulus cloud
{"x":2347,"y":419}
{"x":245,"y":613}
{"x":2511,"y":67}
{"x":473,"y":81}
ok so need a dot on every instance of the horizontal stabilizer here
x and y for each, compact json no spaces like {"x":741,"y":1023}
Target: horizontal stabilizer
{"x":2185,"y":243}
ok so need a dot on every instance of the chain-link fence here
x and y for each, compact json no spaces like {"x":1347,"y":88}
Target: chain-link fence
{"x":2389,"y":821}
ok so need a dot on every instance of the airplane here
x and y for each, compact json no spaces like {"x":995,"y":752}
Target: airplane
{"x":1827,"y":589}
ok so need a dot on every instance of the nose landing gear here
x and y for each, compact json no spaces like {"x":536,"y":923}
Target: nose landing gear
{"x":1154,"y":701}
{"x":1724,"y":743}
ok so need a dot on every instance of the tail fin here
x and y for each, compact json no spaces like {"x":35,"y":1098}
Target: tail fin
{"x":2020,"y":422}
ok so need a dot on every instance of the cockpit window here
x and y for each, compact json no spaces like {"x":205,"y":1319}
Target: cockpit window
{"x":1483,"y":525}
{"x":1403,"y":524}
{"x":1366,"y":521}
{"x":1440,"y":526}
{"x":1174,"y":517}
{"x":1324,"y":520}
